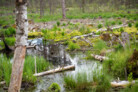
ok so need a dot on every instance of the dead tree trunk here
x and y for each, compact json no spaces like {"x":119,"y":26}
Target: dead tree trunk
{"x":21,"y":42}
{"x":83,"y":6}
{"x":41,"y":8}
{"x":63,"y":9}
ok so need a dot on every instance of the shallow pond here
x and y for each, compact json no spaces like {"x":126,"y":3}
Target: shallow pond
{"x":75,"y":58}
{"x":80,"y":63}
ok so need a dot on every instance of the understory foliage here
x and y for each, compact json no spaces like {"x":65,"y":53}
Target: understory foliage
{"x":117,"y":62}
{"x":29,"y":68}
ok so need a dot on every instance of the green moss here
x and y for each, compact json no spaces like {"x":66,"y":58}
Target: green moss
{"x":54,"y":87}
{"x":35,"y":34}
{"x":10,"y":41}
{"x":73,"y":46}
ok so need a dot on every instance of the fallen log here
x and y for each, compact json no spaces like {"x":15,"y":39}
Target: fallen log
{"x":98,"y":57}
{"x":85,"y":35}
{"x":28,"y":47}
{"x":116,"y":27}
{"x":93,"y":35}
{"x":122,"y":83}
{"x":55,"y":70}
{"x":2,"y":83}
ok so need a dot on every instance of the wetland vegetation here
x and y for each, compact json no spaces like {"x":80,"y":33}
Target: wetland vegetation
{"x":100,"y":38}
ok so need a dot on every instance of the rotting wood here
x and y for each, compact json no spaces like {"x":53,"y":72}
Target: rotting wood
{"x":122,"y":83}
{"x":71,"y":67}
{"x":100,"y":58}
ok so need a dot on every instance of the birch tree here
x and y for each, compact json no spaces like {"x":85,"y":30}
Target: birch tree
{"x":21,"y":42}
{"x":63,"y":9}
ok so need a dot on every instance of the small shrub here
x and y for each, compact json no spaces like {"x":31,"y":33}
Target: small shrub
{"x":130,"y":77}
{"x":100,"y":26}
{"x":64,"y":24}
{"x":113,"y":22}
{"x":54,"y":87}
{"x":129,"y":25}
{"x":121,"y":29}
{"x":120,"y":22}
{"x":58,"y":23}
{"x":63,"y":33}
{"x":136,"y":25}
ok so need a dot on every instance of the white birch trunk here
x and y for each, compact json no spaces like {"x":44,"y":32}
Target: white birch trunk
{"x":21,"y":42}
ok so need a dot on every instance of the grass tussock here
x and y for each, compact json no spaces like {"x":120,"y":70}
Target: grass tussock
{"x":86,"y":82}
{"x":29,"y":68}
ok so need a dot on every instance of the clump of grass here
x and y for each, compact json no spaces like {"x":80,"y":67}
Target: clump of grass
{"x":29,"y":67}
{"x":86,"y":82}
{"x":100,"y":26}
{"x":54,"y":87}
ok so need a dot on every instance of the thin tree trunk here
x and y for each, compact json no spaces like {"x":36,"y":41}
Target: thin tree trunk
{"x":41,"y":8}
{"x":83,"y":6}
{"x":50,"y":6}
{"x":63,"y":9}
{"x":21,"y":42}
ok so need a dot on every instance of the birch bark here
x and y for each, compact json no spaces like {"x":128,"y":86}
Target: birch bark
{"x":21,"y":42}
